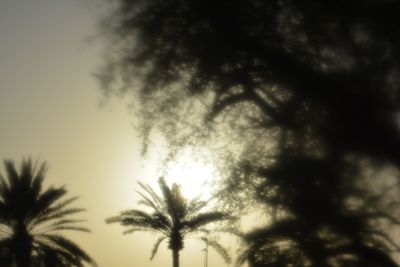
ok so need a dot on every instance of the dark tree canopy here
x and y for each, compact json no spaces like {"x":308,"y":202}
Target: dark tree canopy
{"x":329,"y":67}
{"x":310,"y":89}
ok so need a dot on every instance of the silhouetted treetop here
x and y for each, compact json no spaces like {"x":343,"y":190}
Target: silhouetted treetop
{"x":172,"y":218}
{"x":330,"y":68}
{"x":33,"y":220}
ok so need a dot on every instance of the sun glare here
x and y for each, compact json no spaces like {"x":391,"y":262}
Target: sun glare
{"x":194,"y":177}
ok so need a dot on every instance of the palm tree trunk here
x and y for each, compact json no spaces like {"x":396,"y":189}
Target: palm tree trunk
{"x":23,"y":247}
{"x":175,"y":258}
{"x":23,"y":256}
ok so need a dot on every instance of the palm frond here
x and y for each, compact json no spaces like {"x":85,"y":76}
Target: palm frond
{"x":12,"y":174}
{"x":128,"y":214}
{"x":148,"y":202}
{"x":242,"y":258}
{"x":195,"y":233}
{"x":38,"y":179}
{"x":205,"y":218}
{"x":59,"y":255}
{"x":167,"y":195}
{"x":67,"y":227}
{"x":43,"y":204}
{"x":48,"y":209}
{"x":156,"y":246}
{"x":138,"y":218}
{"x":137,"y":229}
{"x":6,"y":230}
{"x":68,"y":246}
{"x":66,"y":221}
{"x":57,"y":215}
{"x":174,"y":202}
{"x":156,"y":199}
{"x":4,"y":188}
{"x":218,"y":248}
{"x":26,"y":173}
{"x":195,"y":205}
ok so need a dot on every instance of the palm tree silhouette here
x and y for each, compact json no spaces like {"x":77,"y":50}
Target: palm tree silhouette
{"x":31,"y":219}
{"x":173,"y":217}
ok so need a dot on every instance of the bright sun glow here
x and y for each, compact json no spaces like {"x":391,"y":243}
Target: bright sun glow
{"x":194,"y":177}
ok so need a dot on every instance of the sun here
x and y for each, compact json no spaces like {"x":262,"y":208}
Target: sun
{"x":194,"y":177}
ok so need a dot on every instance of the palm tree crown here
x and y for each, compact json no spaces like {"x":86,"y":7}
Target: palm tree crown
{"x":172,"y":216}
{"x":31,"y":219}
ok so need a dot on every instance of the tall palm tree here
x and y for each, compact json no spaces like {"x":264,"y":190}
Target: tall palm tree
{"x":31,"y":219}
{"x":173,"y":218}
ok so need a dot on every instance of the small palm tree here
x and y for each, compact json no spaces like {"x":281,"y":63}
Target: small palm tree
{"x":173,"y":217}
{"x":31,"y":219}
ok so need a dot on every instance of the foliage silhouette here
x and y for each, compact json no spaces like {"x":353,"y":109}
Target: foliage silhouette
{"x":173,"y":217}
{"x":306,"y":96}
{"x":31,"y":220}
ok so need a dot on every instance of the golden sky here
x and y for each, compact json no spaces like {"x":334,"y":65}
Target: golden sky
{"x":49,"y":109}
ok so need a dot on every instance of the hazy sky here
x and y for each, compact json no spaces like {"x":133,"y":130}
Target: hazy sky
{"x":49,"y":109}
